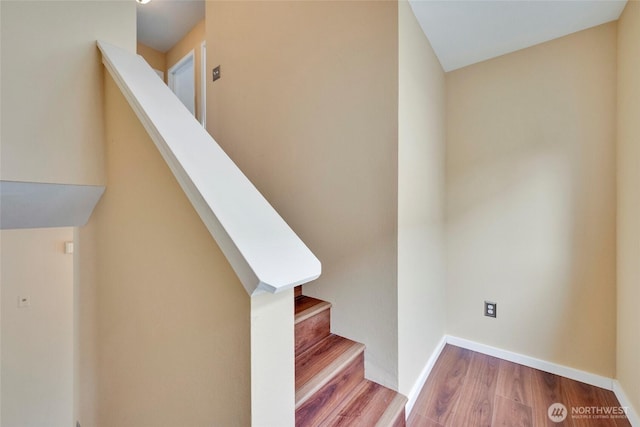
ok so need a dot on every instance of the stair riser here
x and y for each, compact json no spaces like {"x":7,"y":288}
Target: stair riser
{"x":313,"y":411}
{"x":312,"y":330}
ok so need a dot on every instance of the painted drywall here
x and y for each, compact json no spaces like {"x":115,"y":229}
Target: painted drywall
{"x":155,"y":58}
{"x":628,"y":350}
{"x":172,"y":320}
{"x":85,"y":315}
{"x":421,"y":144}
{"x":191,"y":41}
{"x":324,"y":161}
{"x":307,"y":108}
{"x":273,"y":360}
{"x":531,"y":195}
{"x":37,"y":340}
{"x":52,"y":76}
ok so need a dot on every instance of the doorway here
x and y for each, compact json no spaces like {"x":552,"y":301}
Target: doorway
{"x":182,"y":81}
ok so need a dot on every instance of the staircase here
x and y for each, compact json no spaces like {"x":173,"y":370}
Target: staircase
{"x":330,"y":386}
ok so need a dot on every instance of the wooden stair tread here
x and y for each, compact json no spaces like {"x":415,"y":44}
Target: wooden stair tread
{"x":370,"y":404}
{"x":305,"y":307}
{"x":332,"y":395}
{"x":319,"y":364}
{"x":331,"y":390}
{"x":394,"y":414}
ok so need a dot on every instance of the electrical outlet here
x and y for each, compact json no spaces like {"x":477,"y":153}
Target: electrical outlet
{"x":490,"y":309}
{"x":216,"y":73}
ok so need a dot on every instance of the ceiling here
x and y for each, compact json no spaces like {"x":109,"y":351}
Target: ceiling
{"x":162,"y":23}
{"x":465,"y":32}
{"x":461,"y":32}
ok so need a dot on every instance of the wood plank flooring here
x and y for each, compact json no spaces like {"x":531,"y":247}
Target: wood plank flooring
{"x":467,"y":389}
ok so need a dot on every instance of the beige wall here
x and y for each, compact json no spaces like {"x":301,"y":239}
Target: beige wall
{"x":191,"y":41}
{"x":307,"y":108}
{"x":530,"y":180}
{"x":155,"y":58}
{"x":628,"y":351}
{"x":86,"y":326}
{"x":52,"y":128}
{"x":172,"y":321}
{"x":37,"y":341}
{"x":421,"y":139}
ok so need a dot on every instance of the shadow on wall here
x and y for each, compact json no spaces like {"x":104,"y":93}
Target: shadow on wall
{"x":531,"y":201}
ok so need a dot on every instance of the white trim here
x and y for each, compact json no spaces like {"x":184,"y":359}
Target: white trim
{"x":422,"y":378}
{"x":203,"y":83}
{"x":632,"y":415}
{"x":532,"y":362}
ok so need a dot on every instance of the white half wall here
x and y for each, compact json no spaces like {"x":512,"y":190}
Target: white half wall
{"x":272,"y":360}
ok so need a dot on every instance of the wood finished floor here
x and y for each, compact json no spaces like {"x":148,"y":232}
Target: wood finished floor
{"x":467,"y":389}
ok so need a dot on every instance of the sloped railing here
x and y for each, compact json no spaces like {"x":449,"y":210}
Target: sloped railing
{"x":264,"y":252}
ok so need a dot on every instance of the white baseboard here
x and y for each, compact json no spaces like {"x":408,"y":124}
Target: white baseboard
{"x":632,"y":415}
{"x":532,"y":362}
{"x":422,"y":378}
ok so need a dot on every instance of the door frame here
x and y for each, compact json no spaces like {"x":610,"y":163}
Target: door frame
{"x":171,"y":73}
{"x":203,"y":83}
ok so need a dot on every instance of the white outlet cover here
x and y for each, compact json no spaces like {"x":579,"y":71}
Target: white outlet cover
{"x":68,"y":248}
{"x":24,"y":302}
